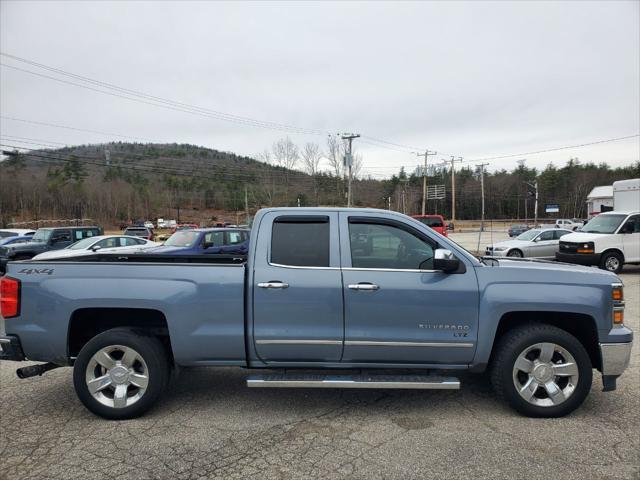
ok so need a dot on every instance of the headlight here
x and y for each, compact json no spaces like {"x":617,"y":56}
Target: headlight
{"x":586,"y":247}
{"x":500,"y":249}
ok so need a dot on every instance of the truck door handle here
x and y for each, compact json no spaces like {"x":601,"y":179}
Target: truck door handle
{"x":273,"y":284}
{"x":364,"y":286}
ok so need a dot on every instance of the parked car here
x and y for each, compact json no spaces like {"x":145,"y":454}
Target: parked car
{"x":15,"y":239}
{"x":436,"y":222}
{"x":102,"y":243}
{"x":305,"y":299}
{"x":184,"y":226}
{"x":14,"y":232}
{"x":43,"y":240}
{"x":573,"y":224}
{"x":534,"y":243}
{"x":515,"y":230}
{"x":232,"y":241}
{"x":610,"y":240}
{"x":149,"y":225}
{"x":143,"y":232}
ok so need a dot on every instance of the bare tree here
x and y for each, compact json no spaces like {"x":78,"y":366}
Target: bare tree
{"x":311,"y":157}
{"x":335,"y":150}
{"x":267,"y":183}
{"x":264,"y":156}
{"x":286,"y":155}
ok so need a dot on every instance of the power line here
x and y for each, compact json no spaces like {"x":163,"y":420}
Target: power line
{"x":34,"y":122}
{"x":166,"y":103}
{"x":163,"y":102}
{"x":554,"y":149}
{"x":148,"y":168}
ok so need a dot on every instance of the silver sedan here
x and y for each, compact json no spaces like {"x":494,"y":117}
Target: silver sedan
{"x":535,"y":243}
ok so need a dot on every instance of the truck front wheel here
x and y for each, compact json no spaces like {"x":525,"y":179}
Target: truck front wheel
{"x":612,"y":261}
{"x":119,"y":374}
{"x":541,"y":370}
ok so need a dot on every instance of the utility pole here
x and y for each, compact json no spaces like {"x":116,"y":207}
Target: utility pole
{"x":534,"y":185}
{"x":349,"y":161}
{"x":246,"y":205}
{"x":424,"y":178}
{"x":535,"y":208}
{"x":481,"y":167}
{"x":453,"y":187}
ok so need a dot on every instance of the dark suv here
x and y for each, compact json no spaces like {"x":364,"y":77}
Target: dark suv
{"x":45,"y":239}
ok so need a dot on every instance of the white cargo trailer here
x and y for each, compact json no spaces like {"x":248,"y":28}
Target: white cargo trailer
{"x":626,"y":195}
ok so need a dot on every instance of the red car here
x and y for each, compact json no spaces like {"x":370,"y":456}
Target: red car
{"x":184,"y":226}
{"x":433,"y":221}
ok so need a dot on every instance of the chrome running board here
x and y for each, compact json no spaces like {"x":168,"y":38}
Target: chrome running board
{"x":414,"y":382}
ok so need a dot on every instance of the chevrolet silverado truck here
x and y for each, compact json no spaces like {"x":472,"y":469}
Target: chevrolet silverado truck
{"x":370,"y":298}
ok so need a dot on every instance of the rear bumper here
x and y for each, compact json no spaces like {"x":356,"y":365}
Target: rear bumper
{"x":579,"y":258}
{"x":11,"y":349}
{"x":615,"y":357}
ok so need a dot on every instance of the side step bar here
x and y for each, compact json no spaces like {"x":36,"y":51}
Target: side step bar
{"x":414,"y":382}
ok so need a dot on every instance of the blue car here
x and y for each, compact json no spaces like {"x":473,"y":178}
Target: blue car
{"x":15,"y":239}
{"x":230,"y":241}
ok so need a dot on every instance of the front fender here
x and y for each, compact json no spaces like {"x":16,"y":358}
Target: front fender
{"x":501,"y":298}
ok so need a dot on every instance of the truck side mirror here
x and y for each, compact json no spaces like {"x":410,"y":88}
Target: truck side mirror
{"x":445,"y":261}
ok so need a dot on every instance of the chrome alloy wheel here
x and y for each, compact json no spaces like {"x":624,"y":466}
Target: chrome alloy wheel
{"x":612,"y":264}
{"x":117,"y":376}
{"x":545,"y":374}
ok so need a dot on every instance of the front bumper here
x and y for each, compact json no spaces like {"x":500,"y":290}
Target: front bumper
{"x":579,"y":258}
{"x":615,"y":358}
{"x":11,"y":349}
{"x":496,"y":253}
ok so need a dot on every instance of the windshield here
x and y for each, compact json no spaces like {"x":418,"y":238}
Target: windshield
{"x":603,"y":224}
{"x":528,"y":235}
{"x":42,"y":235}
{"x":430,"y":222}
{"x":185,"y":238}
{"x":82,"y":244}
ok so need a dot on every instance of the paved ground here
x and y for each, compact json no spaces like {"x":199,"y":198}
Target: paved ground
{"x":210,"y":425}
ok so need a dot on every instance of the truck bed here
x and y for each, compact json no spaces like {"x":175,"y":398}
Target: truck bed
{"x":201,"y":304}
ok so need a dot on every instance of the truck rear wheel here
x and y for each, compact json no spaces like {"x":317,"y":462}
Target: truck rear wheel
{"x":119,"y":374}
{"x":541,"y":371}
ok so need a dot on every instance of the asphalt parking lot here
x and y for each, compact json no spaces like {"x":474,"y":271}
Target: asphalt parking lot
{"x":209,"y":425}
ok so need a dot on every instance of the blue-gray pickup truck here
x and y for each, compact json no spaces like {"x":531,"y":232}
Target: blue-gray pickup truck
{"x":372,"y":298}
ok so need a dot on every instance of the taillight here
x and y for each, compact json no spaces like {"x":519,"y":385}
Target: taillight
{"x":9,"y":297}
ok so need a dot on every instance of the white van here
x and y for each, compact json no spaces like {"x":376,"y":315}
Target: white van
{"x":609,"y":240}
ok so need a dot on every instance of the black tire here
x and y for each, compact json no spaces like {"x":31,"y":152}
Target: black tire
{"x":516,"y":341}
{"x":612,"y":262}
{"x":156,"y":360}
{"x":515,"y":253}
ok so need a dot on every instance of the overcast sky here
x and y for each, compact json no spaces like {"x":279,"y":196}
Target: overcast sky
{"x":477,"y":79}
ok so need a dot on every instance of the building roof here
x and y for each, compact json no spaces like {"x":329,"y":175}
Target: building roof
{"x":605,"y":191}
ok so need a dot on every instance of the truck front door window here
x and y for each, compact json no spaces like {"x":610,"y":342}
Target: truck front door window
{"x":386,"y":246}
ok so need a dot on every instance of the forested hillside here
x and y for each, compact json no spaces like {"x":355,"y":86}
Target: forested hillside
{"x":117,"y":182}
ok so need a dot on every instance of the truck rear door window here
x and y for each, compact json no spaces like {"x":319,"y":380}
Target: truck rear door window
{"x":300,"y":241}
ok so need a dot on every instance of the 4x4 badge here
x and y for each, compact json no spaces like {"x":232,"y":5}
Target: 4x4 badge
{"x":37,"y":271}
